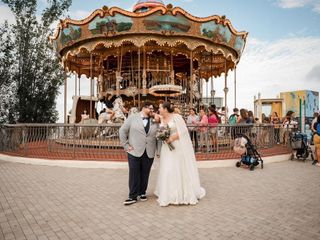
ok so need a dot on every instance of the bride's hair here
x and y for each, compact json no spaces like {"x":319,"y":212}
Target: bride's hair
{"x":169,"y":106}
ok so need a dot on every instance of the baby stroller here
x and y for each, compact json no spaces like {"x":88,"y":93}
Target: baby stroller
{"x":248,"y":152}
{"x":299,"y":144}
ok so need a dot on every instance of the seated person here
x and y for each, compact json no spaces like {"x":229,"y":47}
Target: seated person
{"x":105,"y":115}
{"x":84,"y":116}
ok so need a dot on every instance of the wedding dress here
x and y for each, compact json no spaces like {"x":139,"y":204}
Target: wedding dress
{"x":178,"y":180}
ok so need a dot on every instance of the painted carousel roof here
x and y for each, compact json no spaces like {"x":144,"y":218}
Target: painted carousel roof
{"x":169,"y":27}
{"x":143,"y":5}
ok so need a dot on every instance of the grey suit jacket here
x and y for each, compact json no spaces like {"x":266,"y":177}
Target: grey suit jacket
{"x":132,"y":134}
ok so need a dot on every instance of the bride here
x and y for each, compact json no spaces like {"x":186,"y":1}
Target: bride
{"x":178,"y":180}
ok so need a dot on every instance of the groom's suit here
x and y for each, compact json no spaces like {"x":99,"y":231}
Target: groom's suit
{"x":142,"y":139}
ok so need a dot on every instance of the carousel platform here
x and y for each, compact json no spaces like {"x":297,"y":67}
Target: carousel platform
{"x":95,"y":143}
{"x":117,"y":159}
{"x":57,"y":151}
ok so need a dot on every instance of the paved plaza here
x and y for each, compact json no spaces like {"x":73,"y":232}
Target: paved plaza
{"x":282,"y":201}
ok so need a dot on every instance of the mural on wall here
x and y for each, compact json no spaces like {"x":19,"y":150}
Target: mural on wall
{"x":312,"y":103}
{"x":218,"y":33}
{"x":158,"y":22}
{"x":117,"y":23}
{"x":70,"y":34}
{"x":292,"y":102}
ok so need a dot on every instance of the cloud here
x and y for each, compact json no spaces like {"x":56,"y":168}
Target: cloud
{"x":317,"y":8}
{"x":274,"y":67}
{"x":79,"y":14}
{"x":293,"y":3}
{"x":314,"y":4}
{"x":6,"y":14}
{"x":314,"y":74}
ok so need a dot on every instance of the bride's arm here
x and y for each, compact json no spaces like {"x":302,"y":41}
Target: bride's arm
{"x":172,"y":138}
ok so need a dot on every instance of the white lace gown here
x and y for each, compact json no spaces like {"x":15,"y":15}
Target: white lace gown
{"x":178,"y":180}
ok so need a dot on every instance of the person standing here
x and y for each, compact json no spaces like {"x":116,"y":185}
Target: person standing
{"x":250,"y":117}
{"x":223,"y":114}
{"x":316,"y":140}
{"x":288,"y":124}
{"x":178,"y":180}
{"x":213,"y":122}
{"x":138,"y":137}
{"x":242,"y":121}
{"x":233,"y":119}
{"x":314,"y":120}
{"x":203,"y":129}
{"x":193,"y":119}
{"x":276,"y":123}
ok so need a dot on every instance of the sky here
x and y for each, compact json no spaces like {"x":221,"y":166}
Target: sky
{"x":282,"y":51}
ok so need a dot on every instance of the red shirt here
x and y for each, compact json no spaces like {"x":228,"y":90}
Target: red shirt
{"x":213,"y":120}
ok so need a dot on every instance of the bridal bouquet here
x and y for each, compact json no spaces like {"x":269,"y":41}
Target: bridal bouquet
{"x":163,"y":134}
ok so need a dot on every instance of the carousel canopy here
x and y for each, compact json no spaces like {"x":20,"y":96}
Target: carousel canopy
{"x":85,"y":45}
{"x":145,"y":5}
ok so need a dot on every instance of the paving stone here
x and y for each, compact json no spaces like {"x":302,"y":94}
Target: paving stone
{"x":40,"y":202}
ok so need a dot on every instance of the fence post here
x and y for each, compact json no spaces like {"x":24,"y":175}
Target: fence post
{"x":24,"y":140}
{"x":74,"y":142}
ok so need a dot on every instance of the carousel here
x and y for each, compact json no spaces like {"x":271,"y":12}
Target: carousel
{"x":156,"y":52}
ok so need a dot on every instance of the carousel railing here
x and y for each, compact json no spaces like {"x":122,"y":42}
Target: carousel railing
{"x":79,"y":141}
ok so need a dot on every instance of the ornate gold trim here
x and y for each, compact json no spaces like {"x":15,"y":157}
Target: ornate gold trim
{"x":140,"y":41}
{"x":113,"y":10}
{"x":168,"y":9}
{"x":218,"y":19}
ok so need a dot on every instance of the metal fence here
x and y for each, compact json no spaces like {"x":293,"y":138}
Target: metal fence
{"x":78,"y":141}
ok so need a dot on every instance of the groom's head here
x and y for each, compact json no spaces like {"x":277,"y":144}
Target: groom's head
{"x":147,"y":108}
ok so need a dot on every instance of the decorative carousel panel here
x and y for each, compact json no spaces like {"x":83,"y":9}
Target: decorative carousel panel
{"x":159,"y":22}
{"x":70,"y":34}
{"x":216,"y":32}
{"x":239,"y":44}
{"x":110,"y":24}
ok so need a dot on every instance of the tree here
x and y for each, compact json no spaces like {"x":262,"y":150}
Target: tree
{"x":37,"y":74}
{"x":7,"y":86}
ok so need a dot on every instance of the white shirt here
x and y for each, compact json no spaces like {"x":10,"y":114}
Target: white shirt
{"x":145,"y":121}
{"x":290,"y":124}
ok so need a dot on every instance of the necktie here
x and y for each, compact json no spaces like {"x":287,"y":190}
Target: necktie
{"x":146,"y":128}
{"x":145,"y":118}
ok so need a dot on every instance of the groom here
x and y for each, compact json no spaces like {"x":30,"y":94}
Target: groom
{"x":138,"y":137}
